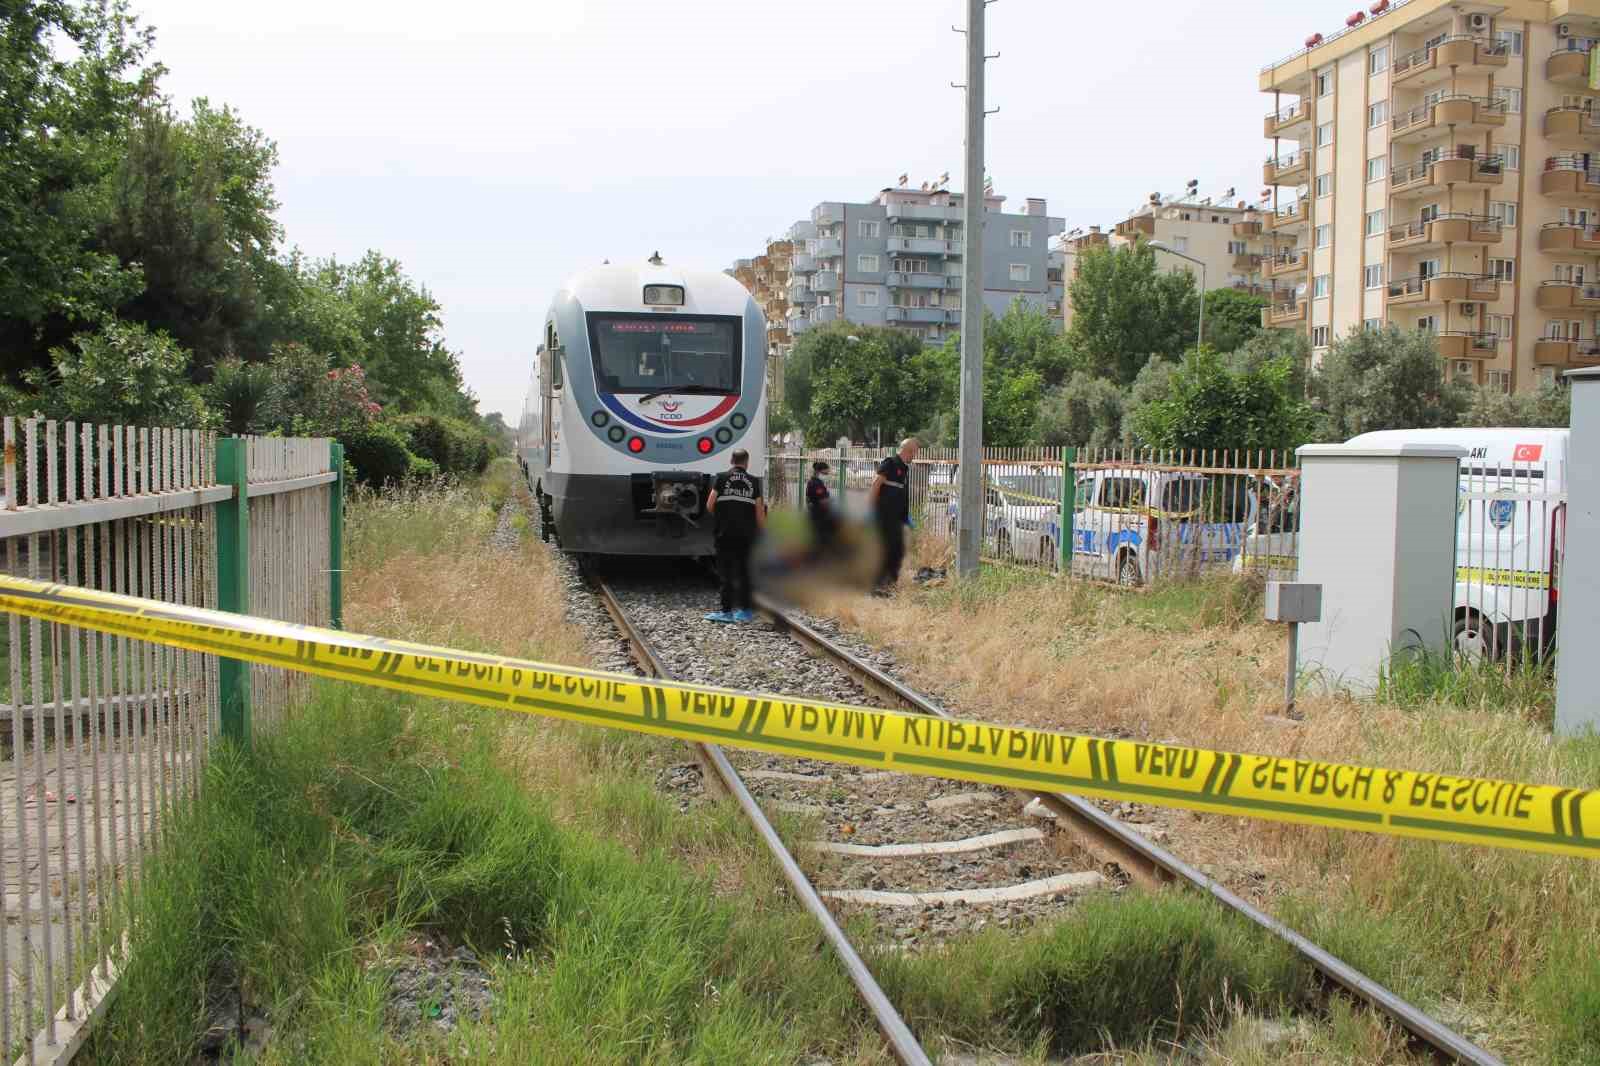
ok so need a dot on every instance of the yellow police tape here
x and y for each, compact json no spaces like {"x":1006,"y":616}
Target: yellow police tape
{"x":1399,"y":802}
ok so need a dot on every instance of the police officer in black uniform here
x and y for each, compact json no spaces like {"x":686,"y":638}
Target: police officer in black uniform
{"x":738,"y":512}
{"x":819,"y":506}
{"x":891,"y":506}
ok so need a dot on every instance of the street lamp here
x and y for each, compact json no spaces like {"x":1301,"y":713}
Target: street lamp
{"x":1160,"y":247}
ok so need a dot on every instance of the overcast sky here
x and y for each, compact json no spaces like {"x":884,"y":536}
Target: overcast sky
{"x":496,"y":147}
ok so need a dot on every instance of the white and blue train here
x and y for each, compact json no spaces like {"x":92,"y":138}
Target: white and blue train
{"x":645,"y":379}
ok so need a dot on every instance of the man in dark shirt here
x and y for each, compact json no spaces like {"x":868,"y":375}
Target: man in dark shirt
{"x":738,"y":512}
{"x":819,"y":506}
{"x":890,"y":500}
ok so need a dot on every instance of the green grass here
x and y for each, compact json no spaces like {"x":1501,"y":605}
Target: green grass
{"x":1133,"y":970}
{"x":368,"y":819}
{"x":1520,"y":686}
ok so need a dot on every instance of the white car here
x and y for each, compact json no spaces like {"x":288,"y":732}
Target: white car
{"x":1131,"y":524}
{"x":1022,"y":515}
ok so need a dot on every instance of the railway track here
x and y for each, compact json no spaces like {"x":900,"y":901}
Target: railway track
{"x":926,"y":858}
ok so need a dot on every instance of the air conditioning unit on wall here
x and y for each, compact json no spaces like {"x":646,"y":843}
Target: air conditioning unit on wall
{"x":1563,"y":30}
{"x":1478,"y":22}
{"x":1469,"y":309}
{"x":1464,"y":368}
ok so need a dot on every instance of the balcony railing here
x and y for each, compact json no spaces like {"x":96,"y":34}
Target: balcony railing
{"x":1447,"y":285}
{"x":1462,"y":164}
{"x":1559,"y":294}
{"x":1458,"y":109}
{"x":1451,"y":227}
{"x":1457,"y":50}
{"x":1465,"y":344}
{"x":1571,"y":121}
{"x":1569,"y":63}
{"x":1569,"y":237}
{"x":926,"y":245}
{"x":898,"y":279}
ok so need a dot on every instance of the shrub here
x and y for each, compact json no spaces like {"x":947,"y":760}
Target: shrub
{"x":378,"y":452}
{"x":454,"y":447}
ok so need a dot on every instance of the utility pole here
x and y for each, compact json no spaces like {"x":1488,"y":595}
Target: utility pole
{"x":969,"y":533}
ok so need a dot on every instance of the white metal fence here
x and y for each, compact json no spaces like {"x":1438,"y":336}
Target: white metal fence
{"x":108,"y":736}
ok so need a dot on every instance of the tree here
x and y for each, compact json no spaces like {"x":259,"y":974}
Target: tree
{"x":873,"y":386}
{"x":1233,"y":317}
{"x":61,"y":131}
{"x":370,"y":313}
{"x":1084,"y":411}
{"x":1022,"y":356}
{"x":1550,"y":405}
{"x":1125,"y":310}
{"x":192,"y":203}
{"x":1209,"y":403}
{"x":122,"y":374}
{"x":1391,"y":378}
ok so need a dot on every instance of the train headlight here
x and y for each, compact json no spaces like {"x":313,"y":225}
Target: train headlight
{"x":616,"y":433}
{"x":663,"y":295}
{"x":739,"y":420}
{"x":704,"y":444}
{"x":599,"y":418}
{"x":724,"y":435}
{"x":636,"y":445}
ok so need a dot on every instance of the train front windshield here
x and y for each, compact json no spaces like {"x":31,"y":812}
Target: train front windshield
{"x":655,"y":353}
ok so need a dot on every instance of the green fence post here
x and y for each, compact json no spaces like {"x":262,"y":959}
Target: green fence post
{"x":336,"y":536}
{"x":233,"y":583}
{"x":1069,"y":499}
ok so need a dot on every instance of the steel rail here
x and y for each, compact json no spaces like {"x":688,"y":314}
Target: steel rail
{"x":1149,"y":861}
{"x":899,"y":1035}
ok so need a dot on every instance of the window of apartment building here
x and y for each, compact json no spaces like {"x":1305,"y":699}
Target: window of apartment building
{"x":866,"y":297}
{"x":1512,"y":39}
{"x":1427,"y":268}
{"x":1504,"y":269}
{"x":1427,"y":324}
{"x":911,"y":266}
{"x":1325,"y":84}
{"x":1377,"y":168}
{"x":1513,"y":99}
{"x":1378,"y":59}
{"x":867,"y":264}
{"x":1319,"y":286}
{"x":1180,"y":244}
{"x":1374,"y":223}
{"x":1324,"y":236}
{"x":1021,"y":238}
{"x":1237,"y":247}
{"x":1499,"y":381}
{"x":1319,"y":336}
{"x":1324,"y":135}
{"x":1505,"y":211}
{"x":1372,"y":324}
{"x":1510,"y":156}
{"x":1545,"y":375}
{"x":865,"y":228}
{"x":1558,"y":329}
{"x":1377,"y":114}
{"x":1021,"y":271}
{"x":1499,"y":325}
{"x":1324,"y":184}
{"x":1374,"y":276}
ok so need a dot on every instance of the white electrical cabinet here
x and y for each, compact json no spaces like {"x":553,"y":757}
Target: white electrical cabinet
{"x":1377,"y":532}
{"x":1578,"y":669}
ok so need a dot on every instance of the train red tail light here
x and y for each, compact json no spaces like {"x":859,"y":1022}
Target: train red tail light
{"x":636,"y":445}
{"x":704,"y":444}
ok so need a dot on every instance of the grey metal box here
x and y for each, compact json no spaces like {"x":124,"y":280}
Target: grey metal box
{"x":1293,"y":601}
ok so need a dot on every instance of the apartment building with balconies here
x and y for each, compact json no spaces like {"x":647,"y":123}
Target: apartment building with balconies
{"x":767,"y":278}
{"x":1436,"y":166}
{"x":897,"y":261}
{"x":1229,"y":238}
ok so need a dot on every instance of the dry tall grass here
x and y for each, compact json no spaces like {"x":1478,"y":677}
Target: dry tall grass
{"x":1503,"y":942}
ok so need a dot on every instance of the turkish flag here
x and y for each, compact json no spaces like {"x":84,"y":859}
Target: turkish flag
{"x":1527,"y":453}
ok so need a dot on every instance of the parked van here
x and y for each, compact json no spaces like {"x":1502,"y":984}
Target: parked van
{"x":1510,"y":523}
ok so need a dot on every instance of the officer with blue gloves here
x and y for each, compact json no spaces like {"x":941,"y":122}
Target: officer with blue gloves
{"x":738,"y":513}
